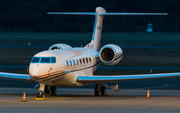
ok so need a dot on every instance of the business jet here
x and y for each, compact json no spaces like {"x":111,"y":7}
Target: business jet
{"x":62,"y":65}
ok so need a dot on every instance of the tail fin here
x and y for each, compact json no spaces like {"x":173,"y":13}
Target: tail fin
{"x":99,"y":15}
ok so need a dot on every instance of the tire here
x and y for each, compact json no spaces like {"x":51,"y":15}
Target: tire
{"x":53,"y":90}
{"x":38,"y":95}
{"x":103,"y":90}
{"x":42,"y":95}
{"x":46,"y":90}
{"x":96,"y":93}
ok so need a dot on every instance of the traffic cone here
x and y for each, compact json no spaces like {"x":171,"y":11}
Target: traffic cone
{"x":117,"y":87}
{"x":148,"y":94}
{"x":24,"y":98}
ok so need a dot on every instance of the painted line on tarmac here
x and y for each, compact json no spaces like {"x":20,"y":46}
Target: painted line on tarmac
{"x":10,"y":103}
{"x":51,"y":98}
{"x":34,"y":100}
{"x":167,"y":85}
{"x":144,"y":107}
{"x":84,"y":94}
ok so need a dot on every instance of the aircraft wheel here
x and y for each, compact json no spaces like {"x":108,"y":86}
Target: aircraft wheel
{"x":46,"y":90}
{"x":103,"y":90}
{"x":53,"y":90}
{"x":96,"y":92}
{"x":40,"y":95}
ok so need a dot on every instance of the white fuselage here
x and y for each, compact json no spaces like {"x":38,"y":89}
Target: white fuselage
{"x":69,"y":64}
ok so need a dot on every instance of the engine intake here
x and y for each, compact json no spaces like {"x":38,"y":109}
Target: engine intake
{"x":110,"y":54}
{"x":59,"y":46}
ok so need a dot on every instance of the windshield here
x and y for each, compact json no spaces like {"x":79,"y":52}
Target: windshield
{"x":35,"y":60}
{"x":43,"y":60}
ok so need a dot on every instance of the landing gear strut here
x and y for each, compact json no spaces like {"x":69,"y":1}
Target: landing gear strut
{"x":41,"y":89}
{"x":98,"y":88}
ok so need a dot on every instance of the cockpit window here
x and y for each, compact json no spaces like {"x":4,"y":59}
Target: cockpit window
{"x":53,"y":60}
{"x":35,"y":60}
{"x":43,"y":60}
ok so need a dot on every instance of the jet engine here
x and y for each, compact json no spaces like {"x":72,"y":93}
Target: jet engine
{"x":110,"y":54}
{"x":59,"y":46}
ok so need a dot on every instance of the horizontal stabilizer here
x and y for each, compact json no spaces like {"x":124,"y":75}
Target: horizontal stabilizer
{"x":71,"y":13}
{"x":104,"y":14}
{"x":124,"y":14}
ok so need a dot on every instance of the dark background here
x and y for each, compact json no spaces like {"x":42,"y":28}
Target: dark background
{"x":19,"y":16}
{"x":30,"y":15}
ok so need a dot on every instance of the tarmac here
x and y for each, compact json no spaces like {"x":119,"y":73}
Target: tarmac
{"x":83,"y":100}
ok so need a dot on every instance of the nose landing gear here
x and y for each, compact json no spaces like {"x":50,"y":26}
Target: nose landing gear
{"x":50,"y":90}
{"x":41,"y":89}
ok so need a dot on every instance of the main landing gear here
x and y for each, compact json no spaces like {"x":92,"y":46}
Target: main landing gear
{"x":50,"y":90}
{"x":98,"y":88}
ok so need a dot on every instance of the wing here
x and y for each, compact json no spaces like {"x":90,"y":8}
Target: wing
{"x":15,"y":76}
{"x":105,"y":78}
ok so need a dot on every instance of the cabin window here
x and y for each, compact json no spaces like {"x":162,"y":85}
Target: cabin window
{"x":67,"y":63}
{"x":83,"y":61}
{"x":90,"y":60}
{"x":77,"y":61}
{"x":70,"y":62}
{"x":87,"y":60}
{"x":74,"y":61}
{"x":80,"y":61}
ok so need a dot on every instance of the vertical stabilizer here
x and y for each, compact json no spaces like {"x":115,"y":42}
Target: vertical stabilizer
{"x":97,"y":31}
{"x":99,"y":15}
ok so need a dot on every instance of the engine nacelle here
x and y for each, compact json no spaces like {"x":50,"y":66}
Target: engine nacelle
{"x":110,"y":54}
{"x":59,"y":46}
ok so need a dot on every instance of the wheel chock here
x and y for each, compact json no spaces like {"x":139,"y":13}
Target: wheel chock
{"x":39,"y":98}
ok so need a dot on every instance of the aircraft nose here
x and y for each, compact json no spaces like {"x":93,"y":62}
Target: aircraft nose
{"x":38,"y":71}
{"x":35,"y":70}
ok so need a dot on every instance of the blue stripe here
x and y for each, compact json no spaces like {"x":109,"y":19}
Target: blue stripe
{"x":72,"y":13}
{"x":94,"y":30}
{"x":15,"y":76}
{"x":103,"y":14}
{"x":124,"y":77}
